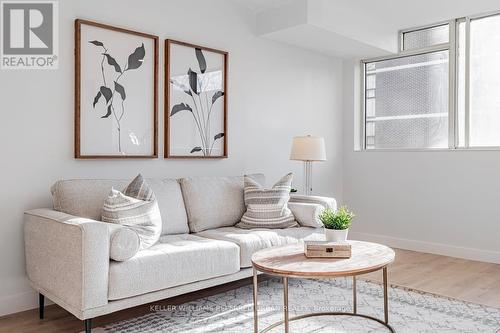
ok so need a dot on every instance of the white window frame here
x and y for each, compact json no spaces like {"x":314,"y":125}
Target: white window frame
{"x":451,"y":47}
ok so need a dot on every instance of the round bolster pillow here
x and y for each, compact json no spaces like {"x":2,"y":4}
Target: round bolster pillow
{"x":124,"y":243}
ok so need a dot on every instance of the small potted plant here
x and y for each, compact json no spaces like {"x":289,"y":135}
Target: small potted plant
{"x":336,"y":223}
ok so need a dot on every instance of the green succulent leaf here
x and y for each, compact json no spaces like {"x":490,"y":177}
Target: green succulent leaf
{"x":336,"y":220}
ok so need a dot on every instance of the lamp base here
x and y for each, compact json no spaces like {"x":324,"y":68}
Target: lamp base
{"x":308,"y":177}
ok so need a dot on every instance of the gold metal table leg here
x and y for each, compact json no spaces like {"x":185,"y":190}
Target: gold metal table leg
{"x":285,"y":301}
{"x":386,"y":310}
{"x":286,"y":321}
{"x":255,"y":304}
{"x":354,"y":296}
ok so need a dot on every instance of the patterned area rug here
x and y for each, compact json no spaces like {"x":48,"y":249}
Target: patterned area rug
{"x":409,"y":311}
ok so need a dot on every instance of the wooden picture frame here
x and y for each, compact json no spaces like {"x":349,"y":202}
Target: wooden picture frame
{"x":219,"y":95}
{"x":138,"y":66}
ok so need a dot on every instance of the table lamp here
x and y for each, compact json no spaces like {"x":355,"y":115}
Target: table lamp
{"x":308,"y":149}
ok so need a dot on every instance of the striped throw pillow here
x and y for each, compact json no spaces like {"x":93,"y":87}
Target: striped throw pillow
{"x":267,"y":208}
{"x":136,"y":207}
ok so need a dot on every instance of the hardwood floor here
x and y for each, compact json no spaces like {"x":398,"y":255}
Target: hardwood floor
{"x":472,"y":281}
{"x":467,"y":280}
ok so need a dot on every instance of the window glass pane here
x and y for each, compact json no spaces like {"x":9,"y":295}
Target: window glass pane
{"x":460,"y":122}
{"x":426,"y":37}
{"x":370,"y":80}
{"x":409,"y":107}
{"x":485,"y":82}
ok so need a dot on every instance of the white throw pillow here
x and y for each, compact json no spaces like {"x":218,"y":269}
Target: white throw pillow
{"x":136,"y":207}
{"x":267,"y":208}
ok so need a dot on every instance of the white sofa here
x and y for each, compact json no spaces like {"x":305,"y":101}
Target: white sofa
{"x":68,"y":248}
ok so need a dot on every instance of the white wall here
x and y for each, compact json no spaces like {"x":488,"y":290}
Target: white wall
{"x":275,"y":92}
{"x":442,"y":202}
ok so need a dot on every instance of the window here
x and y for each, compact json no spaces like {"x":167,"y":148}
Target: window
{"x":441,"y":92}
{"x":484,"y":85}
{"x":406,"y":97}
{"x":425,"y":37}
{"x":407,"y":102}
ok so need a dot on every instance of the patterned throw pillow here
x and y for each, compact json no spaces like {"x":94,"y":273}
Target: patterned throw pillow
{"x":267,"y":208}
{"x":136,"y":207}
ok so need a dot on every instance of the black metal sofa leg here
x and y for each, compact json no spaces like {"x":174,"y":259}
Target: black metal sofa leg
{"x":41,"y":312}
{"x":41,"y":305}
{"x":88,"y":325}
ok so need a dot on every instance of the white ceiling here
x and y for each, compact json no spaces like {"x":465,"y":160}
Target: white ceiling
{"x":354,"y":28}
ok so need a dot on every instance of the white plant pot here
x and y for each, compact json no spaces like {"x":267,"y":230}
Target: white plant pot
{"x":336,"y":235}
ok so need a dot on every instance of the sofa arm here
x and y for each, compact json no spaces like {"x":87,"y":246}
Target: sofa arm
{"x":306,"y":214}
{"x":326,"y":202}
{"x":67,"y":258}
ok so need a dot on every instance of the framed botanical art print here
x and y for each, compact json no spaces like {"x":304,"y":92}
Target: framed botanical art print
{"x":196,"y":101}
{"x":116,"y":74}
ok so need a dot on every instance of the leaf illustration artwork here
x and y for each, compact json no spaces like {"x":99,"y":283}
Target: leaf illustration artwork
{"x":110,"y":110}
{"x":96,"y":99}
{"x":181,"y":87}
{"x":96,"y":43}
{"x":217,"y":95}
{"x":193,"y":81}
{"x":201,"y":60}
{"x":107,"y":93}
{"x":180,"y":107}
{"x":112,"y":62}
{"x":203,"y":88}
{"x":135,"y":59}
{"x":121,"y":90}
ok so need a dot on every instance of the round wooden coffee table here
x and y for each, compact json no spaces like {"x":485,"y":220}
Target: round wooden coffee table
{"x":290,"y":261}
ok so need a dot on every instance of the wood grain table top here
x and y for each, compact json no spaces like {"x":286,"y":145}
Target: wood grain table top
{"x":290,"y":260}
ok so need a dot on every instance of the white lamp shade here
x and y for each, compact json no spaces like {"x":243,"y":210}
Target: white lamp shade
{"x":308,"y":148}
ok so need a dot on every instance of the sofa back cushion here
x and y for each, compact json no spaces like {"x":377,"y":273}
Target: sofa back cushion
{"x":173,"y":213}
{"x":214,"y":202}
{"x":85,"y":198}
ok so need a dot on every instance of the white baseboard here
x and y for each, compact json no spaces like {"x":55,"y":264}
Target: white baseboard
{"x":429,"y":247}
{"x":20,"y":302}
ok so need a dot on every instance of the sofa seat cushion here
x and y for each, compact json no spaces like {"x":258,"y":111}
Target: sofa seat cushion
{"x":173,"y":261}
{"x":252,"y":240}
